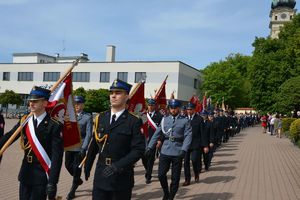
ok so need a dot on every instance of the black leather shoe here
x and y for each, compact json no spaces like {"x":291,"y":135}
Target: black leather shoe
{"x":148,"y":181}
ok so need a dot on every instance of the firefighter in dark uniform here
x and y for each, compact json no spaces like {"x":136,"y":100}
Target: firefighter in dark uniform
{"x":73,"y":157}
{"x":152,"y":126}
{"x":120,"y":144}
{"x":213,"y":136}
{"x":207,"y":129}
{"x":199,"y":141}
{"x":35,"y":183}
{"x":177,"y":134}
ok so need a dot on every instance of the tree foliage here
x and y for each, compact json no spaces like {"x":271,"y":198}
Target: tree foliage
{"x":274,"y":61}
{"x":95,"y":100}
{"x":288,"y":97}
{"x":228,"y":79}
{"x":10,"y":97}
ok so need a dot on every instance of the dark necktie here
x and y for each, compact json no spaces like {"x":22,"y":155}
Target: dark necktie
{"x":174,"y":118}
{"x":35,"y":122}
{"x":113,"y":119}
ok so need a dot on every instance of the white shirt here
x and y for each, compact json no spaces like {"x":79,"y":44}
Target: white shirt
{"x":40,"y":118}
{"x":118,"y":114}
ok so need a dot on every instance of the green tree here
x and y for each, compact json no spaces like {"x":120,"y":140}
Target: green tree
{"x":288,"y":98}
{"x":10,"y":97}
{"x":274,"y":61}
{"x":97,"y":100}
{"x":228,"y":79}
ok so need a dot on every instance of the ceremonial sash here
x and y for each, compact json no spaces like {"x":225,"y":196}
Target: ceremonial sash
{"x":151,"y":122}
{"x":37,"y":148}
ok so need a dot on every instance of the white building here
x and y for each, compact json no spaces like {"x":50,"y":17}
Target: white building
{"x":30,"y":69}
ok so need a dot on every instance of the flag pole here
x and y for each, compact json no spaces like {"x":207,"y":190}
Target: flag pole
{"x":161,"y":87}
{"x":19,"y":129}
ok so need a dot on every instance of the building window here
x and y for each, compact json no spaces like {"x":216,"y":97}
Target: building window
{"x":123,"y":76}
{"x":104,"y":77}
{"x":275,"y":17}
{"x":140,"y":76}
{"x":51,"y":76}
{"x":196,"y":83}
{"x":6,"y":76}
{"x":291,"y":17}
{"x":25,"y":76}
{"x":81,"y":76}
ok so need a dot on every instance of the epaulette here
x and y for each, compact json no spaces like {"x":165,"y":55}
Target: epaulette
{"x":132,"y":113}
{"x":55,"y":120}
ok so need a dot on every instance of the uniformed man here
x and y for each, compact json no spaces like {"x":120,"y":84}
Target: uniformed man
{"x":120,"y":145}
{"x":154,"y":118}
{"x":42,"y":143}
{"x":177,"y":134}
{"x":207,"y":129}
{"x":199,"y":141}
{"x":212,"y":137}
{"x":73,"y":157}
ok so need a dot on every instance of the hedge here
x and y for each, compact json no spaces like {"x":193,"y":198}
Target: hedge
{"x":295,"y":131}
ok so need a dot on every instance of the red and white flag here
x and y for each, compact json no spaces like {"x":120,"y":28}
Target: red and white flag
{"x":137,"y":105}
{"x":61,"y":105}
{"x":160,"y":97}
{"x":195,"y":100}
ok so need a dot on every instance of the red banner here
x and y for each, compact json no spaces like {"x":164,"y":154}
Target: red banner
{"x":195,"y":100}
{"x":160,"y":97}
{"x":61,"y":107}
{"x":137,"y":105}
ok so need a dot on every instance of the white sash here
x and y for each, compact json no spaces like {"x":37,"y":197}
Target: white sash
{"x":37,"y":148}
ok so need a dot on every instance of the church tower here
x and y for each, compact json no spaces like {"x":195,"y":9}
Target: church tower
{"x":282,"y":11}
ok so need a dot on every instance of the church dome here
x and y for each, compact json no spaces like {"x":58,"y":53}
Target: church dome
{"x":283,"y":3}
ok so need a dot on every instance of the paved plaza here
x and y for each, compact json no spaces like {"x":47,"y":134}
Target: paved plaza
{"x":250,"y":166}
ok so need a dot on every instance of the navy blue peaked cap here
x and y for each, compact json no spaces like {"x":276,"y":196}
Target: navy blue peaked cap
{"x":38,"y":93}
{"x":174,"y":103}
{"x":204,"y":113}
{"x":79,"y":99}
{"x":120,"y":85}
{"x":190,"y":106}
{"x":151,"y":102}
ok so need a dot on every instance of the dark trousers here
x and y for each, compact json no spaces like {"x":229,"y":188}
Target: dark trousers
{"x":32,"y":192}
{"x":205,"y":159}
{"x":72,"y":161}
{"x":164,"y":165}
{"x":149,"y":165}
{"x":195,"y":155}
{"x":211,"y":153}
{"x":99,"y":194}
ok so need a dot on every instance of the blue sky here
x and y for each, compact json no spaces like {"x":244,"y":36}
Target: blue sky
{"x":196,"y":32}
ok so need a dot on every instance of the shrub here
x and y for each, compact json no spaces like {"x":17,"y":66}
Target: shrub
{"x":286,"y":123}
{"x":295,"y":130}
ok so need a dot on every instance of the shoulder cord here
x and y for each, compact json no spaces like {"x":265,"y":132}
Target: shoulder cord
{"x":27,"y":145}
{"x":162,"y":127}
{"x":97,"y":137}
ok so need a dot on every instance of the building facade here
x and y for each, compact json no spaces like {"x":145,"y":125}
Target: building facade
{"x":39,"y":69}
{"x":282,"y":11}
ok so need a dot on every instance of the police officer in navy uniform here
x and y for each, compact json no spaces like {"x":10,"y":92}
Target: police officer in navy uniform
{"x":73,"y":157}
{"x":177,"y":134}
{"x":34,"y":183}
{"x":156,"y":119}
{"x":199,"y":141}
{"x":120,"y":145}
